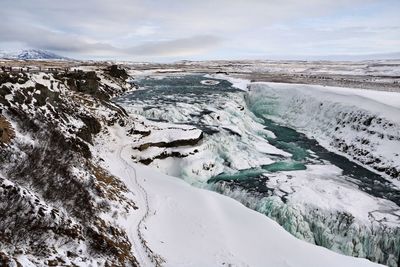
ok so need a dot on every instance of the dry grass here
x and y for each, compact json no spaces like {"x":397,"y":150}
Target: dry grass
{"x":7,"y":133}
{"x":111,"y":187}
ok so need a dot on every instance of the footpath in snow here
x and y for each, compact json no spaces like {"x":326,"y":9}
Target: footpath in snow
{"x":186,"y":226}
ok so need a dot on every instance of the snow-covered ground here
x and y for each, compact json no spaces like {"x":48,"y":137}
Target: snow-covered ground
{"x":186,"y":226}
{"x":373,"y":68}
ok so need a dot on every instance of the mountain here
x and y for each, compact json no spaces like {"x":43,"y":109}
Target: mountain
{"x":30,"y":54}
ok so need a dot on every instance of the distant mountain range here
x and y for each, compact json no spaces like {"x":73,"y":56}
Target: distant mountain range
{"x":30,"y":54}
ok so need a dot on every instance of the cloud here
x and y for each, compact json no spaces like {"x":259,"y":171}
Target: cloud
{"x":175,"y":28}
{"x":178,"y":47}
{"x":70,"y":43}
{"x":46,"y":39}
{"x":144,"y":30}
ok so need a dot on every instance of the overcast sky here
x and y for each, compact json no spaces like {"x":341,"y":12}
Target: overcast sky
{"x":205,"y":29}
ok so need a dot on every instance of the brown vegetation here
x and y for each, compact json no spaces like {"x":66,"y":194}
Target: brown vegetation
{"x":7,"y":132}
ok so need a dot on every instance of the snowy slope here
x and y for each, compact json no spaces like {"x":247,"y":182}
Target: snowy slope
{"x":193,"y":227}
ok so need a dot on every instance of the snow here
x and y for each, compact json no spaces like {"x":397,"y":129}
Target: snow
{"x":24,"y":261}
{"x":188,"y":226}
{"x":321,"y":186}
{"x":360,"y":120}
{"x":386,"y":103}
{"x":30,"y":54}
{"x":168,"y":135}
{"x":179,"y":225}
{"x":209,"y":82}
{"x":236,"y":139}
{"x":236,"y":82}
{"x":376,"y":69}
{"x":319,"y":195}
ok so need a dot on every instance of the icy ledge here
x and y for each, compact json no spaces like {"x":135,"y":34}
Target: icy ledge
{"x":186,"y":226}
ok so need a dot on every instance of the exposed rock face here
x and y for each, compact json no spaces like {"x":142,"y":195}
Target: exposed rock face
{"x":371,"y":131}
{"x":52,"y":195}
{"x":85,"y":82}
{"x":164,"y":155}
{"x":43,"y":95}
{"x":157,"y":141}
{"x":19,"y":78}
{"x":117,"y":72}
{"x":174,"y":143}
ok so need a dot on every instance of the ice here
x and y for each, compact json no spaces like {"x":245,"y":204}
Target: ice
{"x":311,"y":198}
{"x":360,"y":124}
{"x":194,"y":227}
{"x":232,"y":133}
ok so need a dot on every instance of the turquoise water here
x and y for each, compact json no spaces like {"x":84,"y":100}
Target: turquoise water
{"x":170,"y":92}
{"x":172,"y":96}
{"x":284,"y":166}
{"x":245,"y":175}
{"x":299,"y":146}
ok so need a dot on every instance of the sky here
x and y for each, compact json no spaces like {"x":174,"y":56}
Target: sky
{"x":169,"y":30}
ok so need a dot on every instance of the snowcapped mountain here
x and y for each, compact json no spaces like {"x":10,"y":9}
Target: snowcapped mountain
{"x":30,"y":54}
